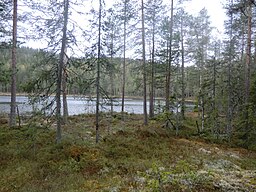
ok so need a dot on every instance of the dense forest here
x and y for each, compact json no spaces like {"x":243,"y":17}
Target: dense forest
{"x":107,"y":50}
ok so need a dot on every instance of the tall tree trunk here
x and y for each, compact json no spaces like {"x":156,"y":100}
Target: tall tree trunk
{"x":255,"y":54}
{"x":242,"y":60}
{"x":243,"y":42}
{"x":182,"y":73}
{"x":124,"y":59}
{"x":199,"y":103}
{"x":112,"y":77}
{"x":64,"y":88}
{"x":98,"y":74}
{"x":168,"y":72}
{"x":200,"y":97}
{"x":215,"y":114}
{"x":229,"y":108}
{"x":248,"y":64}
{"x":60,"y":71}
{"x":152,"y":90}
{"x":144,"y":66}
{"x":203,"y":114}
{"x":14,"y":68}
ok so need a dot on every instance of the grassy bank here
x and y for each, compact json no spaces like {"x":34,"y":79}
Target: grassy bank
{"x":129,"y":157}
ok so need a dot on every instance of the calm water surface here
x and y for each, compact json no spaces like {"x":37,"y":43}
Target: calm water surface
{"x":76,"y":105}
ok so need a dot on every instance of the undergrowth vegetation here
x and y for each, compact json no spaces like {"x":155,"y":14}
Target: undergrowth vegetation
{"x":129,"y":157}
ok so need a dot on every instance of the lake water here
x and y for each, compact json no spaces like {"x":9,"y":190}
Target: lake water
{"x":76,"y":105}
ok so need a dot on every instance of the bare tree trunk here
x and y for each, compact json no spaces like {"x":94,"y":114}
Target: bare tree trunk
{"x":64,"y":89}
{"x":254,"y":53}
{"x":98,"y":74}
{"x":60,"y":71}
{"x":243,"y":43}
{"x":124,"y":59}
{"x":214,"y":89}
{"x":182,"y":73}
{"x":144,"y":67}
{"x":168,"y":73}
{"x":229,"y":109}
{"x":112,"y":89}
{"x":112,"y":78}
{"x":203,"y":114}
{"x":14,"y":63}
{"x":242,"y":60}
{"x":152,"y":91}
{"x":248,"y":64}
{"x":200,"y":97}
{"x":199,"y":103}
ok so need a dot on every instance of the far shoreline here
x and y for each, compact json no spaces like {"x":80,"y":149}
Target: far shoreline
{"x":77,"y":95}
{"x":189,"y":100}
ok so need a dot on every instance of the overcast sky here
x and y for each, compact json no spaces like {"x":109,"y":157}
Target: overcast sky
{"x":214,"y":7}
{"x":215,"y":10}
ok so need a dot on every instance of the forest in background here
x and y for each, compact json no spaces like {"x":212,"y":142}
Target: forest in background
{"x":79,"y":83}
{"x":145,"y":49}
{"x":93,"y":60}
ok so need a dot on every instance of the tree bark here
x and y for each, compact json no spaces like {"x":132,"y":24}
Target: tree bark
{"x":144,"y":66}
{"x":229,"y":108}
{"x":124,"y":56}
{"x":243,"y":42}
{"x":111,"y":75}
{"x":255,"y":53}
{"x":60,"y":71}
{"x":248,"y":63}
{"x":168,"y":72}
{"x":182,"y":73}
{"x":214,"y":88}
{"x":98,"y":74}
{"x":64,"y":88}
{"x":152,"y":91}
{"x":14,"y":67}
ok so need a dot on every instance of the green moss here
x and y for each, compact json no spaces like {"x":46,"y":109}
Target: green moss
{"x":30,"y":160}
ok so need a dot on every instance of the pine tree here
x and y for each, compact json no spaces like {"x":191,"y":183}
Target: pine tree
{"x":5,"y":18}
{"x":230,"y":63}
{"x":198,"y":43}
{"x":127,"y":13}
{"x":168,"y":69}
{"x":60,"y":70}
{"x":98,"y":71}
{"x":144,"y":65}
{"x":14,"y":63}
{"x":182,"y":20}
{"x":154,"y":10}
{"x":113,"y":46}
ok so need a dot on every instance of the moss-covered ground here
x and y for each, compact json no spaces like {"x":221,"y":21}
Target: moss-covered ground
{"x":129,"y":157}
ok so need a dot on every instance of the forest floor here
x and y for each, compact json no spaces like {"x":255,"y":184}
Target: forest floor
{"x":129,"y":157}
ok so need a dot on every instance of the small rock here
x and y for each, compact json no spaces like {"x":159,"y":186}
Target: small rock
{"x":216,"y":149}
{"x":161,"y":168}
{"x":140,"y":180}
{"x":88,"y":132}
{"x":222,"y":164}
{"x":104,"y":170}
{"x":202,"y":150}
{"x":233,"y":155}
{"x":114,"y":189}
{"x":3,"y":120}
{"x":222,"y":184}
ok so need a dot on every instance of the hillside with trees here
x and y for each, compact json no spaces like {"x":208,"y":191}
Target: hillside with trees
{"x":151,"y":50}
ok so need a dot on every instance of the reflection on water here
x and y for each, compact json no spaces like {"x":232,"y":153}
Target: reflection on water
{"x":76,"y":105}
